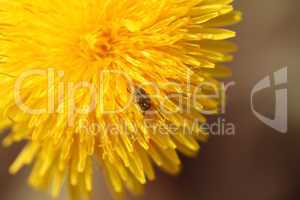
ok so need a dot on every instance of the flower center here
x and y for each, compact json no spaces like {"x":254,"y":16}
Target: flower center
{"x":97,"y":44}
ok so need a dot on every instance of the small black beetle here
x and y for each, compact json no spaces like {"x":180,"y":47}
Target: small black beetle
{"x":142,"y":99}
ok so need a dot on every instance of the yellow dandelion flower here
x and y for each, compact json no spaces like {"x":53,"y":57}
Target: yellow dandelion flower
{"x":103,"y":80}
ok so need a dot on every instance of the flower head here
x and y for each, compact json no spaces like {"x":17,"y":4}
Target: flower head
{"x":116,"y":81}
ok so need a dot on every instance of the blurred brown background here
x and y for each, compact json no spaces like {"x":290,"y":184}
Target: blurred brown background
{"x":257,"y":162}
